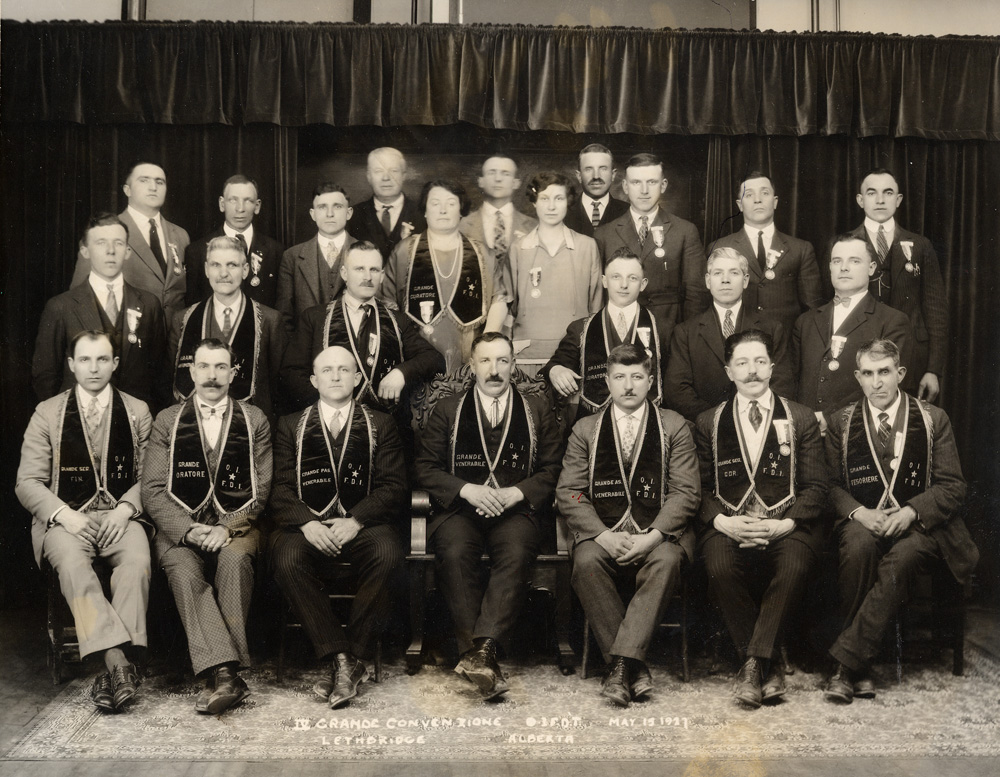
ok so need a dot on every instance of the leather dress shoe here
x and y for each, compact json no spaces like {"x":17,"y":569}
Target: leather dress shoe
{"x":230,"y":689}
{"x":864,"y":687}
{"x":616,"y":686}
{"x":102,"y":694}
{"x":124,"y":683}
{"x":747,"y":690}
{"x":482,"y":670}
{"x":774,"y":686}
{"x":201,"y":703}
{"x":642,"y":680}
{"x":840,"y":686}
{"x":348,"y":672}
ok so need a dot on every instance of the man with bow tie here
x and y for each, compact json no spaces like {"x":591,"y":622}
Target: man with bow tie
{"x":628,"y":487}
{"x":207,"y":479}
{"x":339,"y":492}
{"x":81,"y":461}
{"x":764,"y":484}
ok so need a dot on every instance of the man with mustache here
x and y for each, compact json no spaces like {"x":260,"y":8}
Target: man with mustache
{"x":206,"y":480}
{"x":897,"y":492}
{"x":764,"y":484}
{"x":489,"y":458}
{"x":628,"y":488}
{"x":389,"y":216}
{"x":596,"y":207}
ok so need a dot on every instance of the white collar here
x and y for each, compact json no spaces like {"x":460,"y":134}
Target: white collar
{"x":355,"y":305}
{"x":752,"y":233}
{"x":630,"y":311}
{"x":396,"y":204}
{"x":854,"y":298}
{"x":620,"y":415}
{"x":219,"y":306}
{"x":142,"y":221}
{"x":337,"y":241}
{"x":247,"y":233}
{"x":764,"y":401}
{"x":83,"y":397}
{"x":892,"y":410}
{"x":588,"y":201}
{"x":889,"y":226}
{"x":100,"y":286}
{"x":531,"y":239}
{"x":222,"y":403}
{"x":650,"y":217}
{"x":507,"y":210}
{"x":487,"y":401}
{"x":327,"y":412}
{"x":721,"y":311}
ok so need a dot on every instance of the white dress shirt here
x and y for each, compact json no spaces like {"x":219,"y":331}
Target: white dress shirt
{"x":636,"y":416}
{"x":83,"y":399}
{"x":219,"y":311}
{"x":840,"y":312}
{"x":721,"y":312}
{"x":487,"y":403}
{"x":247,"y":233}
{"x":630,"y":311}
{"x":892,"y":410}
{"x":212,"y":426}
{"x":752,"y":233}
{"x":637,"y":218}
{"x":490,"y":222}
{"x":888,"y":228}
{"x":356,"y":310}
{"x":337,"y":243}
{"x":588,"y":205}
{"x":100,"y":287}
{"x":754,"y":439}
{"x":343,"y":413}
{"x":395,"y":210}
{"x":142,"y":221}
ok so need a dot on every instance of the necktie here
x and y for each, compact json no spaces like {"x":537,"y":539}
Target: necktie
{"x":212,"y":424}
{"x":331,"y":255}
{"x":227,"y":323}
{"x":500,"y":236}
{"x":643,"y":230}
{"x":761,"y":253}
{"x":495,"y":413}
{"x":628,"y":439}
{"x":387,"y":219}
{"x":154,"y":246}
{"x":207,"y":412}
{"x":622,"y":326}
{"x":727,"y":325}
{"x":755,"y":415}
{"x":881,"y":245}
{"x":884,"y":430}
{"x":595,"y":214}
{"x":93,"y":416}
{"x":243,"y":242}
{"x":111,"y":306}
{"x":845,"y":301}
{"x":335,"y":423}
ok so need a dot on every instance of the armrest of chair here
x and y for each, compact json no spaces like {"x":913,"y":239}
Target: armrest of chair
{"x":420,"y":508}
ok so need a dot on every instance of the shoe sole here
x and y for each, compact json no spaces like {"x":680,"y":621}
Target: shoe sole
{"x":639,"y":691}
{"x":837,"y":698}
{"x":769,"y":697}
{"x":219,"y":708}
{"x":105,"y":707}
{"x":618,"y":701}
{"x":748,"y":701}
{"x":864,"y":695}
{"x":125,"y":701}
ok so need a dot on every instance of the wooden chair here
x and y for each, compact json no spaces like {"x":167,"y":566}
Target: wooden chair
{"x":941,"y":598}
{"x":63,"y":646}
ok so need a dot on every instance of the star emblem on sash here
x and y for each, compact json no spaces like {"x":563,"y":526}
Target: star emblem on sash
{"x":355,"y":473}
{"x":472,"y":288}
{"x":513,"y":457}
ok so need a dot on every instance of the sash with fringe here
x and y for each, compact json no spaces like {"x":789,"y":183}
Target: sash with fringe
{"x":515,"y":456}
{"x":632,"y":507}
{"x":769,"y":489}
{"x":595,"y":345}
{"x":192,"y":483}
{"x":77,"y":480}
{"x":866,"y":479}
{"x":331,"y":482}
{"x":468,"y":305}
{"x":245,"y":341}
{"x":388,"y":348}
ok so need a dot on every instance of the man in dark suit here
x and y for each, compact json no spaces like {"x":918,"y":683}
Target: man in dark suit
{"x":388,"y":216}
{"x":696,"y":377}
{"x":596,"y":207}
{"x":104,"y":300}
{"x":157,"y":245}
{"x":897,"y":491}
{"x":310,"y":271}
{"x":489,"y":458}
{"x":828,"y":337}
{"x":239,"y":203}
{"x":764,"y":484}
{"x":81,"y":461}
{"x":784,"y":275}
{"x":253,"y":330}
{"x":909,"y":279}
{"x":628,"y":487}
{"x":339,"y":491}
{"x":669,"y":247}
{"x":205,"y":481}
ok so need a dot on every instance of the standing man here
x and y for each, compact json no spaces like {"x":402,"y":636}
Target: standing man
{"x":497,"y":224}
{"x":897,"y":491}
{"x":389,"y":216}
{"x":669,"y":247}
{"x":764,"y":483}
{"x":207,"y":477}
{"x":310,"y":271}
{"x":489,"y":458}
{"x":784,"y":276}
{"x":339,"y":491}
{"x":239,"y":203}
{"x":628,"y":487}
{"x":828,"y":337}
{"x":105,"y":301}
{"x":81,"y":461}
{"x":596,"y":207}
{"x":158,"y":245}
{"x":252,"y":330}
{"x":908,"y":278}
{"x":696,"y":370}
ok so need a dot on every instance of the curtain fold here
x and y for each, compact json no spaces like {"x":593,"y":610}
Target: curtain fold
{"x":503,"y":77}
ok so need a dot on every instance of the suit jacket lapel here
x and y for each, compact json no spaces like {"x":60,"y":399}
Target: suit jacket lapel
{"x":750,"y":252}
{"x":779,"y":244}
{"x":627,"y":234}
{"x":308,"y":258}
{"x":857,"y":316}
{"x":708,"y":329}
{"x":139,"y":246}
{"x":86,"y":307}
{"x":823,"y":318}
{"x":897,"y":259}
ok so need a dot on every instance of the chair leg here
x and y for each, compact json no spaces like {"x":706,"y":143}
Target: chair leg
{"x":419,"y":573}
{"x":564,"y":605}
{"x":585,"y":659}
{"x":686,"y":674}
{"x":378,"y":660}
{"x":280,"y":675}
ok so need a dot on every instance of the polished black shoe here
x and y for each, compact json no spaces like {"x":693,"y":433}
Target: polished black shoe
{"x":616,"y":686}
{"x":864,"y":686}
{"x":747,"y":689}
{"x":642,"y":680}
{"x":482,"y":670}
{"x":201,"y":703}
{"x":348,"y":673}
{"x":230,"y":689}
{"x":102,"y":694}
{"x":124,"y":684}
{"x":840,"y":686}
{"x":773,"y":687}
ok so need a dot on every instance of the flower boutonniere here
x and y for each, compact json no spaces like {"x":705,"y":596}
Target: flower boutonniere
{"x":405,"y":230}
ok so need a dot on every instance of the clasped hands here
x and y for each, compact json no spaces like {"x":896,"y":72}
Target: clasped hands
{"x":627,"y":548}
{"x":330,"y":536}
{"x":102,"y":528}
{"x":491,"y":501}
{"x":891,"y":522}
{"x":752,"y":532}
{"x":210,"y":539}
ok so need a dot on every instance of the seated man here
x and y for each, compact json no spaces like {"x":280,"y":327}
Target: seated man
{"x":206,"y":480}
{"x":628,"y":487}
{"x":764,"y":484}
{"x":83,"y":509}
{"x":696,"y":372}
{"x":897,"y":489}
{"x":580,"y":362}
{"x":489,"y":458}
{"x":339,"y":488}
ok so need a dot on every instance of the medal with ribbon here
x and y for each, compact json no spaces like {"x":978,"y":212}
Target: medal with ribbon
{"x":426,"y":315}
{"x":176,"y":257}
{"x":256,"y":260}
{"x":771,"y":260}
{"x":535,"y":273}
{"x":132,"y":316}
{"x":782,"y":430}
{"x":897,"y":450}
{"x":911,"y":266}
{"x":643,"y":333}
{"x":657,"y":233}
{"x":837,"y":343}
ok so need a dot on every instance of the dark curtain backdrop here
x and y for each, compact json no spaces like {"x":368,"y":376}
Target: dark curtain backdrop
{"x":288,"y":104}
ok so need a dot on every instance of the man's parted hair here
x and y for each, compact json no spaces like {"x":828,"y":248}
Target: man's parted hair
{"x":623,"y":252}
{"x":93,"y":335}
{"x":365,"y":245}
{"x":543,"y":180}
{"x":104,"y":219}
{"x":727,"y":253}
{"x":629,"y":355}
{"x":239,"y":178}
{"x":491,"y":337}
{"x":849,"y":237}
{"x":595,"y":148}
{"x":749,"y":336}
{"x":878,"y":171}
{"x":215,"y":344}
{"x":645,"y":160}
{"x":879,"y":348}
{"x":749,"y":177}
{"x":224,"y":243}
{"x":325,"y":187}
{"x":131,"y":168}
{"x":464,"y":203}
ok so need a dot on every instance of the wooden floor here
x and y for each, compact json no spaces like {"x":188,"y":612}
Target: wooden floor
{"x":26,"y":688}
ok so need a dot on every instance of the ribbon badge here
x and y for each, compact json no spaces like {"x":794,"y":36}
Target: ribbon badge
{"x":837,"y":343}
{"x":911,"y":266}
{"x":405,"y":230}
{"x":427,"y":310}
{"x":657,"y":232}
{"x":897,"y":450}
{"x":132,"y":316}
{"x":256,"y":260}
{"x":535,"y":274}
{"x":782,"y":428}
{"x":176,"y":257}
{"x":771,"y":260}
{"x":643,"y":333}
